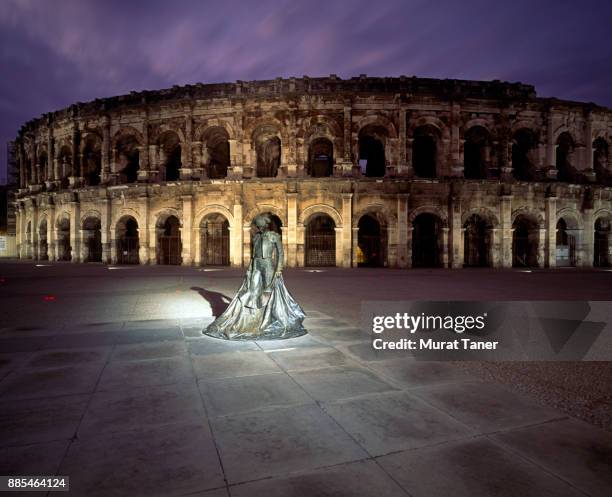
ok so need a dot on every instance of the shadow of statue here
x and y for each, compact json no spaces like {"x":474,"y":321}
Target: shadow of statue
{"x":218,"y":302}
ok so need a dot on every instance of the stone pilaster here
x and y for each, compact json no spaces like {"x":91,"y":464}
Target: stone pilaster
{"x":550,"y":259}
{"x":187,"y":240}
{"x":236,"y":237}
{"x":75,"y":242}
{"x":347,"y":232}
{"x":588,"y":244}
{"x":506,"y":230}
{"x":402,"y":230}
{"x":105,"y":229}
{"x":291,"y":231}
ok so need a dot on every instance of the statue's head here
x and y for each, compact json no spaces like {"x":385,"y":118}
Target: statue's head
{"x":262,"y":221}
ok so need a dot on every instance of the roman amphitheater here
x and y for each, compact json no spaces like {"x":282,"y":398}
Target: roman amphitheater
{"x":392,"y":172}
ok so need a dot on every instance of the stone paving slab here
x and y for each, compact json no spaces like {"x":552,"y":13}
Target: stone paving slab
{"x":340,"y":383}
{"x":233,"y":364}
{"x":35,"y":459}
{"x":365,"y":352}
{"x":392,"y":422}
{"x":164,"y":461}
{"x":474,"y":467}
{"x":295,"y":359}
{"x":410,"y":373}
{"x":341,"y":334}
{"x":50,"y":382}
{"x":308,"y":340}
{"x":485,"y":407}
{"x":262,"y":444}
{"x":247,"y":393}
{"x":40,"y":420}
{"x":154,"y":350}
{"x":358,"y":479}
{"x":69,"y":357}
{"x":122,"y":375}
{"x":135,"y":409}
{"x":575,"y":451}
{"x":206,"y":345}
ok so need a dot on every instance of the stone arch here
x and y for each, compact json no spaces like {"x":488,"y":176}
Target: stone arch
{"x":88,"y":214}
{"x":563,"y":129}
{"x":477,"y":121}
{"x":377,"y":120}
{"x":525,"y":124}
{"x":215,"y":151}
{"x":126,"y":235}
{"x":163,"y":128}
{"x":380,"y":211}
{"x":128,"y":211}
{"x":535,"y":216}
{"x":214,"y":209}
{"x":124,"y":131}
{"x":258,"y":124}
{"x":571,"y":215}
{"x":483,"y":212}
{"x":170,"y":150}
{"x":163,"y":214}
{"x":268,"y":147}
{"x":203,"y":126}
{"x":261,"y":208}
{"x":429,"y":209}
{"x":312,"y":210}
{"x":428,"y":121}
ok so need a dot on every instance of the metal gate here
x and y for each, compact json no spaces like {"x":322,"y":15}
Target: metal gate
{"x":373,"y":249}
{"x":601,"y":252}
{"x":127,"y":250}
{"x":214,"y":249}
{"x":43,"y":254}
{"x":94,"y":248}
{"x":321,"y":249}
{"x":169,"y":250}
{"x":63,"y":248}
{"x":476,"y":253}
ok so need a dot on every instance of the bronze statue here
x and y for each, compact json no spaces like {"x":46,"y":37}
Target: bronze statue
{"x":263,"y":308}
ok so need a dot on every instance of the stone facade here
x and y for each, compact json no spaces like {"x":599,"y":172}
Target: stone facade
{"x":394,"y":172}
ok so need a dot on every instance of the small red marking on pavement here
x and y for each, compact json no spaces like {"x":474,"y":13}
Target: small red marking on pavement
{"x":49,"y":298}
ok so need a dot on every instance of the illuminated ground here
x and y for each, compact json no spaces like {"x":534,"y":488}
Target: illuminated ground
{"x":105,"y":377}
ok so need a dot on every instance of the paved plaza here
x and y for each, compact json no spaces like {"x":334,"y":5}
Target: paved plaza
{"x":105,"y":377}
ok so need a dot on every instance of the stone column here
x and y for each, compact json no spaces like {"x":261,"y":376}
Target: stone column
{"x":291,"y":232}
{"x":409,"y":246}
{"x":456,"y":159}
{"x":403,"y":168}
{"x":506,"y":230}
{"x":588,"y":245}
{"x":51,"y":233}
{"x":301,"y":253}
{"x":143,"y":150}
{"x":445,"y":257}
{"x":542,"y":246}
{"x":18,"y":230}
{"x":186,"y":170}
{"x":589,"y":172}
{"x":106,"y":151}
{"x":495,"y":249}
{"x":551,"y":167}
{"x":550,"y":259}
{"x":187,"y":253}
{"x":75,"y":243}
{"x":344,"y":165}
{"x":75,"y":177}
{"x":35,"y":245}
{"x":355,"y":242}
{"x":347,"y":233}
{"x":402,"y":230}
{"x":105,"y":229}
{"x":246,"y":244}
{"x":456,"y":233}
{"x":144,"y":235}
{"x":236,"y":237}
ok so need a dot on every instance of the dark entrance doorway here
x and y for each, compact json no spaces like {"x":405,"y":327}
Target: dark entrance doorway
{"x":127,"y":241}
{"x":320,"y":241}
{"x":565,"y":245}
{"x":321,"y":158}
{"x":476,"y":242}
{"x":169,"y":242}
{"x":64,"y":250}
{"x":426,"y":241}
{"x":372,"y":242}
{"x":92,"y":238}
{"x":43,"y":254}
{"x":214,"y":241}
{"x":601,"y":254}
{"x":525,"y":242}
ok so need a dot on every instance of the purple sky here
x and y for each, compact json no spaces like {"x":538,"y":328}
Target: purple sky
{"x":56,"y":52}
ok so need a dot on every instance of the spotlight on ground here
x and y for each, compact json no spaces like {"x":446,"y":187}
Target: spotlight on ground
{"x":314,"y":270}
{"x":119,"y":267}
{"x":210,"y":269}
{"x":43,"y":265}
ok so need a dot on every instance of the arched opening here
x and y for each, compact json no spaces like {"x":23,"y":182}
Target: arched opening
{"x":64,"y":250}
{"x":601,"y":160}
{"x":128,"y":159}
{"x":425,"y":151}
{"x":565,"y":245}
{"x":43,"y":248}
{"x":523,"y":147}
{"x":170,"y":156}
{"x":426,"y":241}
{"x":476,"y":242}
{"x":320,"y":243}
{"x":268,"y":150}
{"x":275,"y":225}
{"x":603,"y":232}
{"x":372,"y":140}
{"x":320,"y":158}
{"x":214,"y":241}
{"x":371,"y":242}
{"x":476,"y":153}
{"x":92,"y":159}
{"x":92,"y":239}
{"x":169,"y":242}
{"x":216,"y":152}
{"x":127,"y":241}
{"x":564,"y":156}
{"x":64,"y":158}
{"x":43,"y":163}
{"x":525,"y":242}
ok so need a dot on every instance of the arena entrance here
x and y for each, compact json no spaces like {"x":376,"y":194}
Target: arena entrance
{"x":565,"y":245}
{"x":92,"y":239}
{"x":43,"y":253}
{"x":426,"y":241}
{"x":321,"y":158}
{"x":127,"y":241}
{"x":476,"y":242}
{"x":64,"y":250}
{"x":601,"y":254}
{"x":214,"y":241}
{"x":371,"y":242}
{"x":320,"y":243}
{"x":169,"y":242}
{"x":525,"y":241}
